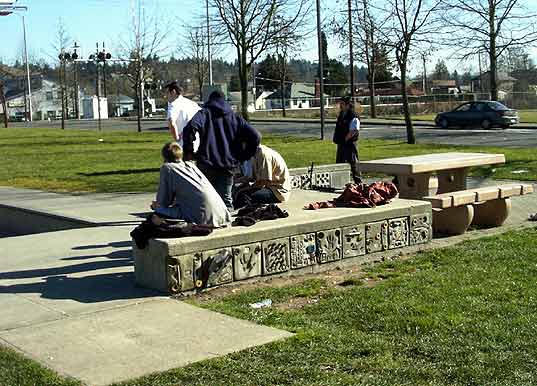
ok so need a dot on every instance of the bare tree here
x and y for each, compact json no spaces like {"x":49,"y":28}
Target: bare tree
{"x":62,"y":40}
{"x":369,"y":42}
{"x":490,"y":27}
{"x":195,"y":47}
{"x":413,"y":23}
{"x":251,"y":28}
{"x":147,"y":38}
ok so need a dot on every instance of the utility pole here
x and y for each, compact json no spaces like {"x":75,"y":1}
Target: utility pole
{"x":209,"y":58}
{"x":62,"y":89}
{"x":424,"y":75}
{"x":104,"y":73}
{"x":27,"y":70}
{"x":98,"y":86}
{"x":321,"y":66}
{"x":351,"y":51}
{"x":75,"y":76}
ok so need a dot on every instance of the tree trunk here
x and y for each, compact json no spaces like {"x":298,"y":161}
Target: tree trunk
{"x":493,"y":73}
{"x":411,"y":137}
{"x":284,"y":113}
{"x":243,"y":77}
{"x":372,"y":102}
{"x":4,"y":105}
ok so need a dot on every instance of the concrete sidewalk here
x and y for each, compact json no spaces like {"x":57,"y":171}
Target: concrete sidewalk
{"x":69,"y":301}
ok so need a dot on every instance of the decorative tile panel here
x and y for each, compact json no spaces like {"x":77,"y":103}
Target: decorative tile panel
{"x":246,"y":261}
{"x":420,"y":229}
{"x":322,"y":179}
{"x":296,"y":182}
{"x":303,"y":250}
{"x":353,"y":241}
{"x":275,"y":256}
{"x":376,"y":237}
{"x":398,"y":233}
{"x":329,"y":246}
{"x":188,"y":266}
{"x":219,"y":271}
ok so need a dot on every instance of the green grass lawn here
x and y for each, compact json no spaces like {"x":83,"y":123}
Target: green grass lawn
{"x":464,"y":315}
{"x":75,"y":161}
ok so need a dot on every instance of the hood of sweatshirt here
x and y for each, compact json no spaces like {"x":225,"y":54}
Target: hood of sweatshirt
{"x":219,"y":107}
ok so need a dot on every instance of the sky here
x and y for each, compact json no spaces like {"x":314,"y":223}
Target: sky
{"x":91,"y":21}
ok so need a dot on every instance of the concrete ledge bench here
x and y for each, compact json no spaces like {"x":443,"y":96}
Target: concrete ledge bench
{"x":306,"y":241}
{"x":454,"y":212}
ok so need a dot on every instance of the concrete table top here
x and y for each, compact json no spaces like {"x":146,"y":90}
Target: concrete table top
{"x":431,"y":163}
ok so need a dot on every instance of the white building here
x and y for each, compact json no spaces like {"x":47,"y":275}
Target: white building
{"x":90,"y":108}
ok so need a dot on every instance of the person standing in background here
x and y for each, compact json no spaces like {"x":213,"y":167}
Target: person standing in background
{"x":346,"y":137}
{"x":180,"y":111}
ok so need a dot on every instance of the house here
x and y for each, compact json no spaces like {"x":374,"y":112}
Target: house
{"x":506,"y":83}
{"x":120,"y":105}
{"x":46,"y":99}
{"x":444,"y":87}
{"x":298,"y":96}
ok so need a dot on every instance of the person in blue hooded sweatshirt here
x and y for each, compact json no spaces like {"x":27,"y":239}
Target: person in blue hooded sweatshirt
{"x":226,"y":140}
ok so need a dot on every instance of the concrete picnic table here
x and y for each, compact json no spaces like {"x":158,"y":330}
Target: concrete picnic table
{"x":413,"y":172}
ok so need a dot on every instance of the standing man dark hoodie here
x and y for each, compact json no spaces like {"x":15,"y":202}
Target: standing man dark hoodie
{"x":226,"y":139}
{"x":346,"y":137}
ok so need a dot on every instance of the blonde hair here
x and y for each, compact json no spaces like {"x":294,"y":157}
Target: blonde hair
{"x":172,"y":152}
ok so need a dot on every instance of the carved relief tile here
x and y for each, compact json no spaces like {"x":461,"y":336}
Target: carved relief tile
{"x":376,"y":236}
{"x":305,"y":180}
{"x":322,"y":179}
{"x":295,"y":182}
{"x":420,"y":229}
{"x":398,"y":233}
{"x":329,"y":246}
{"x":246,"y":261}
{"x":353,"y":241}
{"x":219,"y":266}
{"x":187,"y":267}
{"x":275,"y":256}
{"x":303,"y":250}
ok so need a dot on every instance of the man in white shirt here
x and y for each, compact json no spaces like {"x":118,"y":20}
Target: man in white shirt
{"x":180,"y":111}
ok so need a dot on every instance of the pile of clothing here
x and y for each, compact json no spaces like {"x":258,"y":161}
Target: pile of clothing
{"x":169,"y":229}
{"x":251,"y":214}
{"x":360,"y":196}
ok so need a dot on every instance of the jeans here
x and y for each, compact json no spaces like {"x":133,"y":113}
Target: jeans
{"x":222,"y":181}
{"x":261,"y":196}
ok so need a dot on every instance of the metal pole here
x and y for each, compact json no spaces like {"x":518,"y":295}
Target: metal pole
{"x":104,"y":73}
{"x":209,"y":58}
{"x":62,"y":70}
{"x":321,"y":66}
{"x":27,"y":69}
{"x":424,"y":75}
{"x":98,"y":87}
{"x":351,"y":53}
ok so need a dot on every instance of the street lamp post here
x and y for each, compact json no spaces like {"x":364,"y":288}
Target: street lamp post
{"x":7,"y":9}
{"x":321,"y":66}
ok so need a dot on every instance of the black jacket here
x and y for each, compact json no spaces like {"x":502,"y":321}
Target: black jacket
{"x":343,"y":125}
{"x":225,"y":137}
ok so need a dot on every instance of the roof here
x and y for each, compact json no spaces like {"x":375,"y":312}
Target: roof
{"x":123,"y":99}
{"x":501,"y":77}
{"x":297,"y":91}
{"x":444,"y":83}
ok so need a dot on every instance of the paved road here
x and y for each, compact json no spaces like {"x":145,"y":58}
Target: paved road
{"x":504,"y":138}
